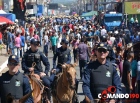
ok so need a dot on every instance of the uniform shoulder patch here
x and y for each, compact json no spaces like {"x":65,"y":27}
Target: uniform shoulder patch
{"x":117,"y":69}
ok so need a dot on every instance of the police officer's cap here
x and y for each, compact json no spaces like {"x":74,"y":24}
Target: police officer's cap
{"x":13,"y":57}
{"x":34,"y":41}
{"x":102,"y":45}
{"x":64,"y":41}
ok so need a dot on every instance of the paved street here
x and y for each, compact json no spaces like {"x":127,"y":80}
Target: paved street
{"x":80,"y":92}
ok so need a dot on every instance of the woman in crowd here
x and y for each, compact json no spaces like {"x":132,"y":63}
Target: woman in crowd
{"x":18,"y":44}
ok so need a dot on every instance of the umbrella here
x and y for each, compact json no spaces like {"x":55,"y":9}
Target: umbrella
{"x":3,"y":19}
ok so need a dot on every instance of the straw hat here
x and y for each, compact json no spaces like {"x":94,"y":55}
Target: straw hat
{"x":129,"y":45}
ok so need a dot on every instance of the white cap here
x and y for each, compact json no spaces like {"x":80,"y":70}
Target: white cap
{"x":16,"y":20}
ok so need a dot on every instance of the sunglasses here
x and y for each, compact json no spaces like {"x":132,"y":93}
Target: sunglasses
{"x":13,"y":64}
{"x":102,"y":50}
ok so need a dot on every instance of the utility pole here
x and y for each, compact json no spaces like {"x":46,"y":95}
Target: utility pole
{"x":92,"y":5}
{"x":105,"y":6}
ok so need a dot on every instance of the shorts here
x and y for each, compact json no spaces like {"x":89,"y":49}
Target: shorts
{"x":11,"y":46}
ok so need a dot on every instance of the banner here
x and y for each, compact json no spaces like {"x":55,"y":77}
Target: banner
{"x":132,"y":7}
{"x":19,"y":8}
{"x":1,"y":4}
{"x":6,"y":5}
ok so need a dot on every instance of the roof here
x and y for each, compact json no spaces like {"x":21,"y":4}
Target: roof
{"x":89,"y":14}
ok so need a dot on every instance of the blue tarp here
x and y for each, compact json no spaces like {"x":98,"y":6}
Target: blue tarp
{"x":10,"y":16}
{"x":40,"y":8}
{"x":39,"y":14}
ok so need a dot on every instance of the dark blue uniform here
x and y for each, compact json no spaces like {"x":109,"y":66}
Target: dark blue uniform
{"x":92,"y":74}
{"x":30,"y":57}
{"x":111,"y":56}
{"x":26,"y":88}
{"x":64,"y":56}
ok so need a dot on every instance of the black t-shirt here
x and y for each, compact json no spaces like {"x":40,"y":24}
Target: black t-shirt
{"x":126,"y":68}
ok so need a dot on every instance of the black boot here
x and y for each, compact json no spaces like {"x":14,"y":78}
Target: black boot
{"x":75,"y":98}
{"x":76,"y":89}
{"x":48,"y":93}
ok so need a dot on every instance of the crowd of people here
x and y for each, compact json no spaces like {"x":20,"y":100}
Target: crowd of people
{"x":102,"y":55}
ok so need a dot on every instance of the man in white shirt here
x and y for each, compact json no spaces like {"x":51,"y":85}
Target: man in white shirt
{"x":77,"y":34}
{"x":46,"y":41}
{"x":112,"y":38}
{"x":103,"y":31}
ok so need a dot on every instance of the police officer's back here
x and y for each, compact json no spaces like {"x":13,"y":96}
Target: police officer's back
{"x":100,"y":74}
{"x":14,"y":82}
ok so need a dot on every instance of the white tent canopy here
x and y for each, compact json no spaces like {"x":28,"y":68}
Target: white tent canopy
{"x":1,"y":23}
{"x":2,"y":12}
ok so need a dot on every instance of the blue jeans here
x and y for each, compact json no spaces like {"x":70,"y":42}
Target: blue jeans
{"x":46,"y":48}
{"x":12,"y":50}
{"x":40,"y":40}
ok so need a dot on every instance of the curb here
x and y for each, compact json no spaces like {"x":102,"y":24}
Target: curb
{"x":3,"y":66}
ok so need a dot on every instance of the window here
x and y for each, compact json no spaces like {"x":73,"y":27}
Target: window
{"x":113,"y":19}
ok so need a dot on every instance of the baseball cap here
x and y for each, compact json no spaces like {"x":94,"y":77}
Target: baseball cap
{"x":34,"y":41}
{"x":102,"y":45}
{"x":13,"y":57}
{"x":64,"y":41}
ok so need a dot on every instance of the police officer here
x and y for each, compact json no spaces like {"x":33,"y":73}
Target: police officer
{"x":111,"y":56}
{"x":34,"y":55}
{"x":100,"y":74}
{"x":64,"y":56}
{"x":14,"y":82}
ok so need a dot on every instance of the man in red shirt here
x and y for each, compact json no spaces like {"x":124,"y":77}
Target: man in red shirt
{"x":31,"y":30}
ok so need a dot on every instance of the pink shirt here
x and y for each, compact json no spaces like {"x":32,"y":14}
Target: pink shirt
{"x":36,"y":37}
{"x":17,"y":42}
{"x":75,"y":43}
